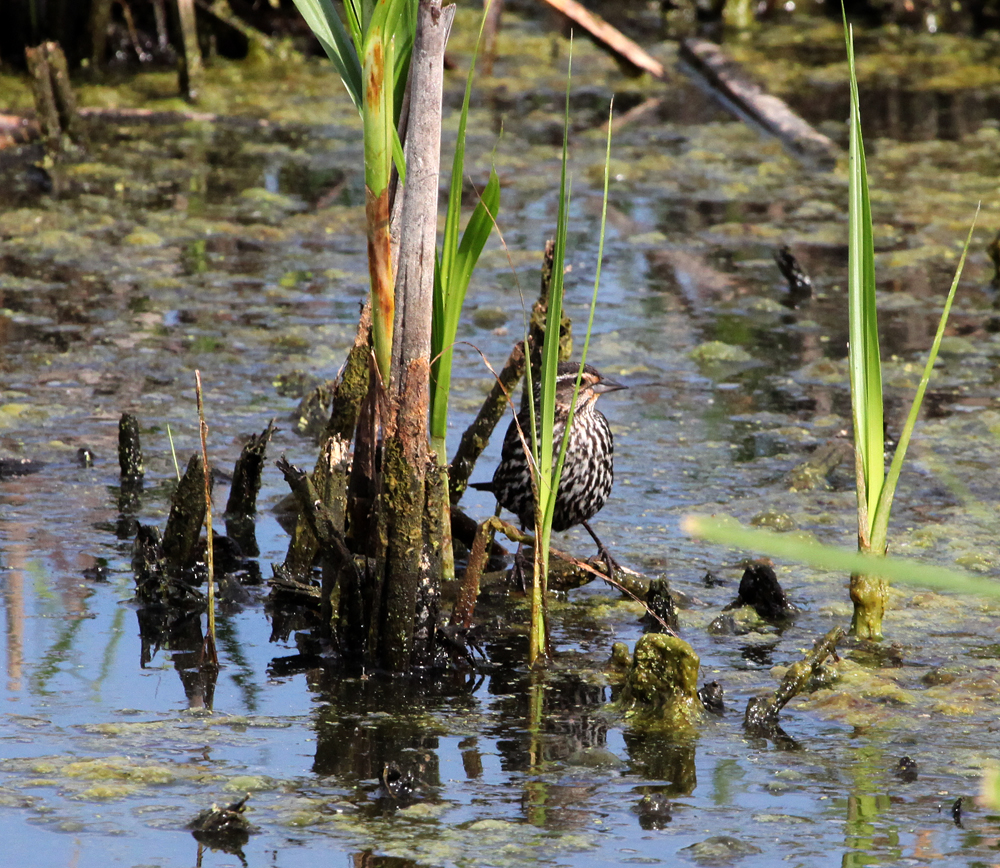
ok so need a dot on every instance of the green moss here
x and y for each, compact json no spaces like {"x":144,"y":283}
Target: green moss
{"x":661,"y":687}
{"x":717,"y":352}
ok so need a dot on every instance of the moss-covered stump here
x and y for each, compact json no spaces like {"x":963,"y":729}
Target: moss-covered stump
{"x":662,"y":683}
{"x":869,"y":595}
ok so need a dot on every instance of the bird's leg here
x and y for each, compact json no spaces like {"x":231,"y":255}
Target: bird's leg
{"x":519,"y":571}
{"x":603,"y":552}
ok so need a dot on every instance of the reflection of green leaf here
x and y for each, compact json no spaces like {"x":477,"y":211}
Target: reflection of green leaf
{"x":244,"y":676}
{"x":52,"y":660}
{"x":114,"y":639}
{"x":789,"y":547}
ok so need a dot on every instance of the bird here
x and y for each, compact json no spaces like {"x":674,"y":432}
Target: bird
{"x":588,"y":468}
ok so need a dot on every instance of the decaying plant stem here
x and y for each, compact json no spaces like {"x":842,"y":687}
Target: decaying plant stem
{"x":187,"y":517}
{"x":329,"y":478}
{"x":242,"y":503}
{"x":55,"y":104}
{"x":209,"y":649}
{"x":191,"y":70}
{"x":338,"y":562}
{"x":353,"y":383}
{"x":762,"y":711}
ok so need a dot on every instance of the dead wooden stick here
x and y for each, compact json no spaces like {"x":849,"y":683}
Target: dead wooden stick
{"x":611,"y":37}
{"x":191,"y":68}
{"x":209,"y":648}
{"x":750,"y":102}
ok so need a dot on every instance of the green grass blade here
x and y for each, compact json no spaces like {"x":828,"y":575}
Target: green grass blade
{"x":792,"y":548}
{"x":449,"y":245}
{"x":880,"y":526}
{"x":593,"y":301}
{"x":542,"y":433}
{"x":448,"y":306}
{"x":865,"y":363}
{"x":546,"y":457}
{"x":325,"y":23}
{"x":478,"y":230}
{"x":450,"y":290}
{"x":454,"y":266}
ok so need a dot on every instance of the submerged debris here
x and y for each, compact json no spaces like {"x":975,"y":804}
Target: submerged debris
{"x":711,"y":696}
{"x":720,"y":849}
{"x":19,"y":467}
{"x":225,"y":829}
{"x":814,"y":473}
{"x":397,"y":788}
{"x":760,"y":589}
{"x":799,"y":283}
{"x":761,"y":717}
{"x":654,"y":810}
{"x":906,"y":770}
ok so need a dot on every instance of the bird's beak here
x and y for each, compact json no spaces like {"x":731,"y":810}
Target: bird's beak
{"x":606,"y":385}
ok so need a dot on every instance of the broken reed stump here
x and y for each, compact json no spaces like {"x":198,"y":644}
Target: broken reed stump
{"x":55,"y":104}
{"x":242,"y":504}
{"x":339,"y":569}
{"x":130,"y":463}
{"x":187,"y":515}
{"x":129,"y":448}
{"x":329,"y":481}
{"x":352,"y":385}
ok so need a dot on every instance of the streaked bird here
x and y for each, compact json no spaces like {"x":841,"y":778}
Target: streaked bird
{"x":588,"y":469}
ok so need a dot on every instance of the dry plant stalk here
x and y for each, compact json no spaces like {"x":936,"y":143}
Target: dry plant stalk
{"x":209,"y":646}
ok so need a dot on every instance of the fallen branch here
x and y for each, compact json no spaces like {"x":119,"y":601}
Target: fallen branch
{"x":610,"y":36}
{"x":761,"y":717}
{"x":631,"y":585}
{"x":750,"y":103}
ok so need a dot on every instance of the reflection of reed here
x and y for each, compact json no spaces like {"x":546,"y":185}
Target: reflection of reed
{"x":365,"y":726}
{"x":13,"y":597}
{"x":657,"y":757}
{"x":33,"y":549}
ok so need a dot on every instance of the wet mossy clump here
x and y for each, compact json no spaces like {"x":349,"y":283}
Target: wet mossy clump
{"x":662,"y":683}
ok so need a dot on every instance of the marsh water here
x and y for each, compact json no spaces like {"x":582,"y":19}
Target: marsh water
{"x":235,"y":246}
